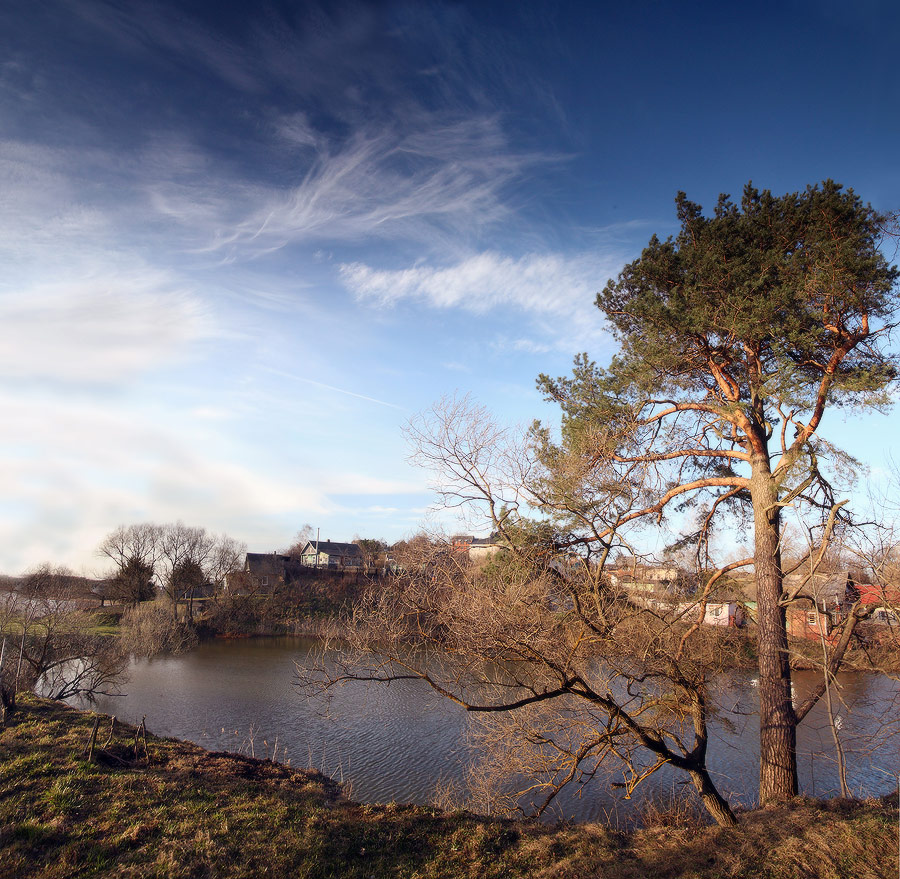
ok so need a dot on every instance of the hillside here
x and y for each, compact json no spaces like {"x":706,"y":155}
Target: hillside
{"x":173,"y":809}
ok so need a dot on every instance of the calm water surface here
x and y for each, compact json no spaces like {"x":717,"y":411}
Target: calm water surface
{"x":397,"y":742}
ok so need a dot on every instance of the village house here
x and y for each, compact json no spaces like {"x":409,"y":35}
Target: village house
{"x":821,"y":602}
{"x":729,"y":614}
{"x":662,"y":588}
{"x":331,"y":555}
{"x":882,"y":603}
{"x":477,"y":548}
{"x":646,"y":582}
{"x":262,"y":571}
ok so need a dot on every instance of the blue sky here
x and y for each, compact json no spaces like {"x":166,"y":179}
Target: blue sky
{"x":242,"y":243}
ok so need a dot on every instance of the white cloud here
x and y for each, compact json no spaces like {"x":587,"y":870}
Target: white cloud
{"x":437,"y":179}
{"x":557,"y":291}
{"x":541,"y":283}
{"x":78,"y":300}
{"x":104,"y":329}
{"x":72,"y":470}
{"x":527,"y":346}
{"x":361,"y":483}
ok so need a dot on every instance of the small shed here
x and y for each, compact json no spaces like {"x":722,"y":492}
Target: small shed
{"x":728,"y":614}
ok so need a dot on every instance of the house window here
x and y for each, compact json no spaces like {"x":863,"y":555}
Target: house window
{"x":263,"y":581}
{"x":812,"y":618}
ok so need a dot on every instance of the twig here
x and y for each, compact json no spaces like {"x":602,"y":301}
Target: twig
{"x":108,"y":756}
{"x":143,"y":731}
{"x":112,"y":728}
{"x":93,"y":739}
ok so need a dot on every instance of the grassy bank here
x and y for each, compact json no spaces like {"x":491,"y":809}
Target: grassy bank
{"x":188,"y":812}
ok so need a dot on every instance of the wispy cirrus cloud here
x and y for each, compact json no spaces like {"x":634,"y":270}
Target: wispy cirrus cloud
{"x":344,"y":391}
{"x":539,"y":283}
{"x":438,"y":184}
{"x":521,"y":345}
{"x":556,"y":290}
{"x":438,"y":181}
{"x":41,"y":209}
{"x":351,"y":143}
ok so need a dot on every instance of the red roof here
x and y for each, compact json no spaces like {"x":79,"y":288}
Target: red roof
{"x":878,"y":593}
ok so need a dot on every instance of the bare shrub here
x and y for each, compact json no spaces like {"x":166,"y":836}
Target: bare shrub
{"x":673,"y":808}
{"x":148,"y":630}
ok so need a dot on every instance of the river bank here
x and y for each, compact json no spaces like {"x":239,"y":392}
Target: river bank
{"x":190,"y":812}
{"x":732,"y":648}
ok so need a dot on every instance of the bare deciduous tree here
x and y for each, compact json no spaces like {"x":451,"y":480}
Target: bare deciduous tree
{"x":567,"y":675}
{"x":304,"y":535}
{"x":55,"y":645}
{"x":227,"y":556}
{"x":135,"y":552}
{"x":147,"y":629}
{"x":175,"y":559}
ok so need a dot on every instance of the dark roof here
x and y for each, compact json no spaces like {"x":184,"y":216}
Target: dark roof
{"x":265,"y":564}
{"x":823,"y":588}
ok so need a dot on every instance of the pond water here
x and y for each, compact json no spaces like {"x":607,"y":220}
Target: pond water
{"x":398,"y":742}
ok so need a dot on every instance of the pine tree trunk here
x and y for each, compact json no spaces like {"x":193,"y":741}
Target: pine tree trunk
{"x":777,"y":720}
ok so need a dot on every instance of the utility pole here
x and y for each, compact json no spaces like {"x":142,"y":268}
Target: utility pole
{"x":317,"y":548}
